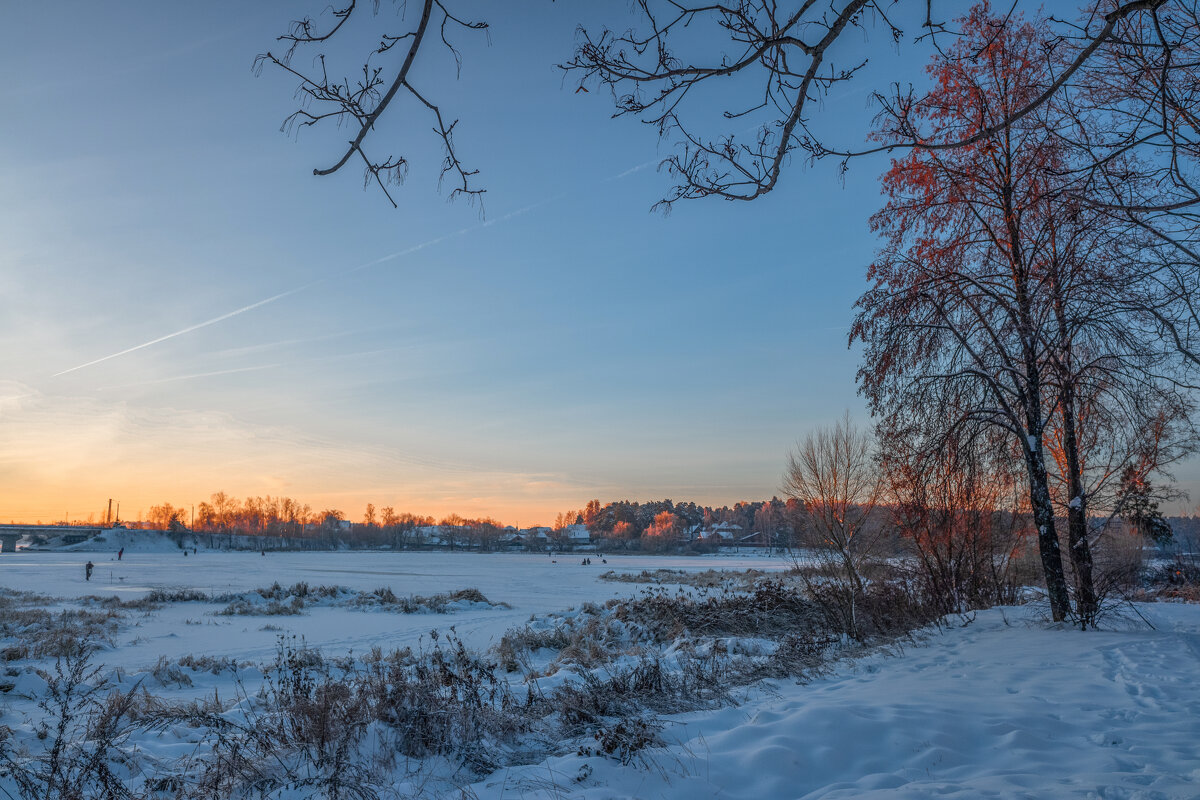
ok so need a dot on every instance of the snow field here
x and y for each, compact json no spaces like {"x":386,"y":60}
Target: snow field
{"x":530,"y":584}
{"x":1005,"y":707}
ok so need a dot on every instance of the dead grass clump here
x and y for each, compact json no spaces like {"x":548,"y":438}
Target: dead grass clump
{"x":169,"y":673}
{"x":176,"y":596}
{"x":665,"y":686}
{"x":247,"y":608}
{"x":743,"y":580}
{"x":292,"y":600}
{"x":39,"y":633}
{"x":588,"y":639}
{"x":802,"y":656}
{"x":11,"y":598}
{"x":625,"y":739}
{"x":151,"y":601}
{"x":517,"y":644}
{"x":206,"y":663}
{"x":771,"y":609}
{"x":386,"y":600}
{"x":300,"y":589}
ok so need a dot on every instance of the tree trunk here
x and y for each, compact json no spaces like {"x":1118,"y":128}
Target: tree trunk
{"x":1081,"y":554}
{"x":1043,"y":517}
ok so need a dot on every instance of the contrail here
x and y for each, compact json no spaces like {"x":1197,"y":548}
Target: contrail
{"x":409,"y":250}
{"x":524,"y":210}
{"x":195,"y":327}
{"x":453,"y":235}
{"x":630,"y":171}
{"x":375,"y":262}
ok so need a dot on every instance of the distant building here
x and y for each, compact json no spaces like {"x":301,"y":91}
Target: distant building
{"x":721,"y":532}
{"x":537,"y":535}
{"x":577,"y":534}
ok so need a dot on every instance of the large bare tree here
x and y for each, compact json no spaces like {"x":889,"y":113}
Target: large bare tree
{"x":998,"y":280}
{"x":959,"y":297}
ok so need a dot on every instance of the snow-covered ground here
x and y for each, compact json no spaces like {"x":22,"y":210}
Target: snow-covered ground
{"x":1007,"y":706}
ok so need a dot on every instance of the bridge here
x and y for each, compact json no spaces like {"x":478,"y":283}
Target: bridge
{"x":71,"y":534}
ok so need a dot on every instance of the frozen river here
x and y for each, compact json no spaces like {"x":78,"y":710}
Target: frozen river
{"x":530,"y":584}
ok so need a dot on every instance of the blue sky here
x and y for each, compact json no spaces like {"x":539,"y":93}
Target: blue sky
{"x":565,"y":345}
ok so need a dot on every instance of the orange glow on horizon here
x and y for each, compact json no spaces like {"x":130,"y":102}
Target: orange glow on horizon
{"x":134,"y":507}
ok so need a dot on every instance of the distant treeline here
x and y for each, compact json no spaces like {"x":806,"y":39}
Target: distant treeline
{"x":654,"y":525}
{"x":621,"y":523}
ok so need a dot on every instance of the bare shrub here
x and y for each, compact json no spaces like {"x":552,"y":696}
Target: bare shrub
{"x":83,"y":729}
{"x":1118,"y":564}
{"x":834,"y":476}
{"x":169,"y":673}
{"x":955,"y":498}
{"x":306,"y":728}
{"x":1179,"y":580}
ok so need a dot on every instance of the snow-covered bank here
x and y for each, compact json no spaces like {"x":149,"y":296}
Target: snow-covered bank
{"x":1005,"y":707}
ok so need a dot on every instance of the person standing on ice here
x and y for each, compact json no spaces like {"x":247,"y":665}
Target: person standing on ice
{"x":87,"y":570}
{"x":120,"y":553}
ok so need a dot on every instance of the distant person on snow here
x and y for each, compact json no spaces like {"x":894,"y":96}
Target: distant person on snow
{"x":120,"y":553}
{"x":87,"y":570}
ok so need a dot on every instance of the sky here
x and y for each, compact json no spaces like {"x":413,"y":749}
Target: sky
{"x":187,"y":309}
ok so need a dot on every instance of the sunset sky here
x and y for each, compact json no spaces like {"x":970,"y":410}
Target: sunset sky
{"x":567,"y":344}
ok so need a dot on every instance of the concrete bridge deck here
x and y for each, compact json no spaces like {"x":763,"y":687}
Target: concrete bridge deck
{"x":11,"y":534}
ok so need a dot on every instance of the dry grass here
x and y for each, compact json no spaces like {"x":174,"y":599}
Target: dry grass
{"x":290,"y":601}
{"x":770,"y":609}
{"x":1177,"y":581}
{"x":742,"y":580}
{"x":34,"y":632}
